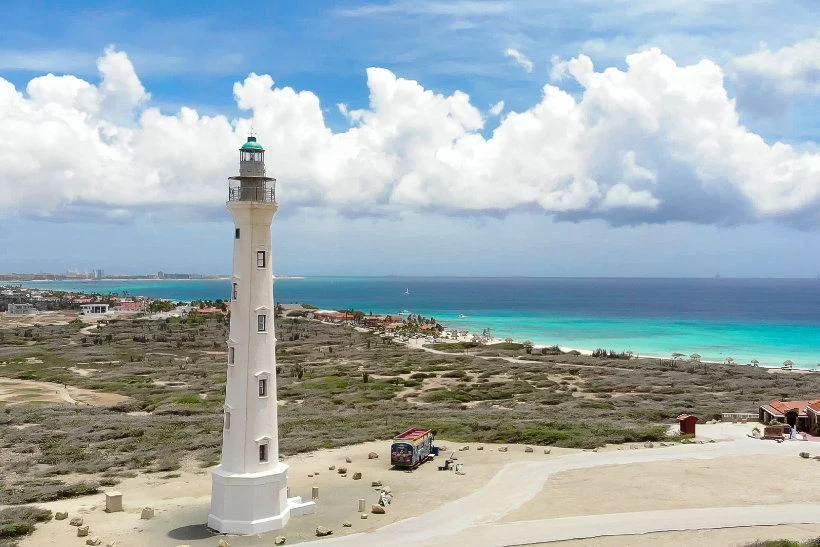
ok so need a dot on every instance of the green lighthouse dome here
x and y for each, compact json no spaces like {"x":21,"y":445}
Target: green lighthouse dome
{"x":251,"y":145}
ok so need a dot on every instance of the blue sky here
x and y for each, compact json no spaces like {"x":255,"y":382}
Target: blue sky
{"x":395,"y":171}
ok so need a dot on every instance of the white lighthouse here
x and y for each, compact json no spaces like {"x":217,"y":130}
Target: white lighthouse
{"x":249,"y":492}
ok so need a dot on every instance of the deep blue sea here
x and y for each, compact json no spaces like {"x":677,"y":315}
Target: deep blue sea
{"x":770,"y":320}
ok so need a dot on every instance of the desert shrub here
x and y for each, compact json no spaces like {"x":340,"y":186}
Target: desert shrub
{"x":44,"y":489}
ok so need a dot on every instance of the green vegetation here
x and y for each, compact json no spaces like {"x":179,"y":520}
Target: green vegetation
{"x":19,"y":521}
{"x":161,"y":306}
{"x":338,"y":386}
{"x":452,"y":346}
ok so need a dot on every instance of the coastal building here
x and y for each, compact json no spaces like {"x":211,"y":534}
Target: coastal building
{"x":813,"y":417}
{"x":332,"y":316}
{"x":95,"y":308}
{"x":792,"y":413}
{"x":21,"y":309}
{"x":249,"y":492}
{"x":132,"y":307}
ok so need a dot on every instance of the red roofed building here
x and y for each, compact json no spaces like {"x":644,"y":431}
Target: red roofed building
{"x":793,"y":413}
{"x":327,"y":315}
{"x":209,"y":310}
{"x":813,"y":417}
{"x":378,"y":320}
{"x":132,"y":307}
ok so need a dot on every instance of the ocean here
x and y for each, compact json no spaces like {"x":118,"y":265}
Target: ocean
{"x":770,"y":320}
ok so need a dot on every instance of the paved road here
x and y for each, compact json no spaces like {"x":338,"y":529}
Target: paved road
{"x":471,"y":520}
{"x":644,"y":522}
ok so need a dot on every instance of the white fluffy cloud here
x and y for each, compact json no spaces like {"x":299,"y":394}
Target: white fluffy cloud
{"x":793,"y":70}
{"x":767,"y":80}
{"x":520,"y":59}
{"x":652,"y":143}
{"x":496,"y":109}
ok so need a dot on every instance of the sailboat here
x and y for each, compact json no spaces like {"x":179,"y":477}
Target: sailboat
{"x":407,"y":291}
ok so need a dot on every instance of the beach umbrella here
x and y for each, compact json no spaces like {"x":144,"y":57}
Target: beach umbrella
{"x":729,"y":361}
{"x":788,"y":363}
{"x":755,"y":363}
{"x":695,"y":357}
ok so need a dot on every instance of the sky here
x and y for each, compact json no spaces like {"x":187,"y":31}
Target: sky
{"x":496,"y":137}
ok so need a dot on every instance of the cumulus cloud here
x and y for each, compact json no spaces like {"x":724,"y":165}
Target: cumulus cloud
{"x":496,"y":109}
{"x":767,"y":80}
{"x":654,"y":142}
{"x":520,"y":59}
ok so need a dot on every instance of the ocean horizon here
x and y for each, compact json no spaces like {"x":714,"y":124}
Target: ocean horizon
{"x":768,"y":319}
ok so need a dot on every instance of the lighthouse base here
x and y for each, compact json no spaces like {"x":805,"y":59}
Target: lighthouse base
{"x":253,"y":503}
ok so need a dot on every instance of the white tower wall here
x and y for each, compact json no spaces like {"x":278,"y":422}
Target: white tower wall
{"x":249,"y":493}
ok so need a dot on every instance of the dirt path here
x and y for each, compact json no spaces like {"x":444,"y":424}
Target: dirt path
{"x":14,"y":391}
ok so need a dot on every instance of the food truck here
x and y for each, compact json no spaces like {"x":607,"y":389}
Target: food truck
{"x":411,"y":448}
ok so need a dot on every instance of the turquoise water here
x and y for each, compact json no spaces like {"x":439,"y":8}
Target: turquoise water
{"x":770,"y":320}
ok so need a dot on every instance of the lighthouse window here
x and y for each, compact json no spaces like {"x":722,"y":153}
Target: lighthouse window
{"x":236,"y":234}
{"x":260,"y":259}
{"x":263,"y":387}
{"x":262,"y":323}
{"x":263,"y":452}
{"x":227,"y":420}
{"x":230,"y":355}
{"x":235,"y":287}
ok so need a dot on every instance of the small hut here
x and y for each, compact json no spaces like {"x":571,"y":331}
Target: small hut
{"x":687,"y":424}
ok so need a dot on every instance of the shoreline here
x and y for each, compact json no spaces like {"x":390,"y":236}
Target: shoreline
{"x":768,"y":359}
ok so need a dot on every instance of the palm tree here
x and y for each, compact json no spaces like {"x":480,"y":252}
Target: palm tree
{"x":788,"y":363}
{"x":677,"y":355}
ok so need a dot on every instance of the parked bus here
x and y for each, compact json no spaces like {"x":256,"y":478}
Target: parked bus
{"x":411,"y":448}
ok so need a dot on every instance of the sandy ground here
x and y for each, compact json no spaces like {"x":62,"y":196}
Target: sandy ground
{"x":182,"y":503}
{"x":500,"y":493}
{"x":731,"y":537}
{"x":43,"y":318}
{"x":30,"y":391}
{"x":728,"y":481}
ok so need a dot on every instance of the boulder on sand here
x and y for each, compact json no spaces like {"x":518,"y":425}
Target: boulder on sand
{"x":76,"y":521}
{"x":342,"y":470}
{"x":60,"y":515}
{"x":377,"y":509}
{"x":357,"y":476}
{"x":82,"y":531}
{"x":321,"y":531}
{"x":93,"y":541}
{"x":372,"y":456}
